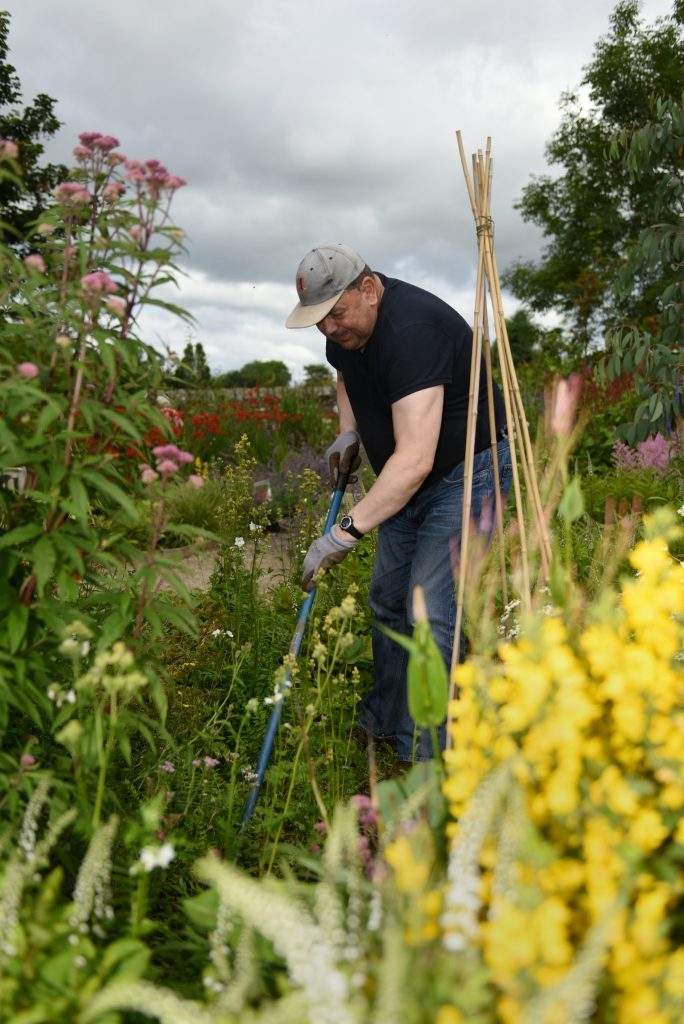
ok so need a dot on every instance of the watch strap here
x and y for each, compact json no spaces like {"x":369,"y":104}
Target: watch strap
{"x":347,"y":524}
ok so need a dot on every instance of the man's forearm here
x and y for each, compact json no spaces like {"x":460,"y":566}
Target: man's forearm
{"x":399,"y":480}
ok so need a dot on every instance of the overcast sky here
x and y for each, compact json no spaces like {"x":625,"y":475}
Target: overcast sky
{"x":304,"y":121}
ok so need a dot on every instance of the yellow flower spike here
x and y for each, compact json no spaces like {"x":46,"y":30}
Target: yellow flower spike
{"x":449,"y":1015}
{"x":647,"y":831}
{"x":430,"y":902}
{"x":650,"y":557}
{"x":674,"y":976}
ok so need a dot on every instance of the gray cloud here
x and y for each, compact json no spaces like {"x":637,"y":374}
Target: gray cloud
{"x":300,"y":121}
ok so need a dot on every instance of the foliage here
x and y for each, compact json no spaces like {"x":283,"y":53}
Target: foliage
{"x":74,"y":378}
{"x":259,"y":373}
{"x":193,"y":370}
{"x":318,"y":374}
{"x":654,"y":267}
{"x":22,"y":199}
{"x":594,"y":209}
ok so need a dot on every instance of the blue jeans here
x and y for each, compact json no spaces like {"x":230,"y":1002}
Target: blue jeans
{"x":414,"y":548}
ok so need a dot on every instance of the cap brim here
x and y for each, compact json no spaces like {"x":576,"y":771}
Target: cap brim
{"x":309,"y":316}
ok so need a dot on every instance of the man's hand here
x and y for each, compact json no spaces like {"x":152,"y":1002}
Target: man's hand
{"x":326,"y":551}
{"x":343,"y":456}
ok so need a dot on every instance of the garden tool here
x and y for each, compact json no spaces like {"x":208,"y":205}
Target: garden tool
{"x":284,"y":687}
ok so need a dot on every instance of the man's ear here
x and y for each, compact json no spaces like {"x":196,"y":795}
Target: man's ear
{"x":369,"y":290}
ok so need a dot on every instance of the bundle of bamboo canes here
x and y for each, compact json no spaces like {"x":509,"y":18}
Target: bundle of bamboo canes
{"x":488,"y":297}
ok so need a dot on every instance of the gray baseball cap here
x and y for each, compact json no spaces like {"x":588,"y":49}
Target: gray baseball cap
{"x":322,"y":276}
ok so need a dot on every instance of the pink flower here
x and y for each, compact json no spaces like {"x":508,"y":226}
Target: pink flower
{"x":113,"y":190}
{"x":174,"y":416}
{"x":167,"y":466}
{"x":27,"y":760}
{"x":35,"y":262}
{"x":172,"y":182}
{"x":654,"y":452}
{"x":82,"y":153}
{"x":196,"y":481}
{"x":105,"y":142}
{"x":98,"y":282}
{"x":185,"y":457}
{"x":88,"y":138}
{"x":27,"y":370}
{"x":117,"y":307}
{"x":566,"y":396}
{"x":135,"y":233}
{"x":166,"y":451}
{"x":148,"y":475}
{"x":115,"y":158}
{"x":167,"y":767}
{"x":8,"y":150}
{"x":72,"y":193}
{"x":210,"y":762}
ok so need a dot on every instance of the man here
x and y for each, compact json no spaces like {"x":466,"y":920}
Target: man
{"x":402,"y":358}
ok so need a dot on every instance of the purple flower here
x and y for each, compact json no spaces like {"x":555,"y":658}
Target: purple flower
{"x":27,"y":370}
{"x":210,"y":762}
{"x":167,"y":767}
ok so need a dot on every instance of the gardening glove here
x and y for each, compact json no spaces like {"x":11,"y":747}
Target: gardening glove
{"x":326,"y":551}
{"x":343,"y":456}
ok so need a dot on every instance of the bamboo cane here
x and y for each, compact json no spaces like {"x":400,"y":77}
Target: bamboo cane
{"x":478,"y":202}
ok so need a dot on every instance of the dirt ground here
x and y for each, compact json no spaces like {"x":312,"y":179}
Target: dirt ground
{"x":198,"y":561}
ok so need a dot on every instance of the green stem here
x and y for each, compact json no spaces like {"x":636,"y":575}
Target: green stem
{"x":293,"y":778}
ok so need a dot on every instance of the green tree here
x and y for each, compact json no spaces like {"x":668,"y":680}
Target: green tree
{"x":595,"y":209}
{"x":524,"y":336}
{"x":317,"y":375}
{"x":23,"y":199}
{"x":193,"y":370}
{"x":652,"y":352}
{"x":267,"y":373}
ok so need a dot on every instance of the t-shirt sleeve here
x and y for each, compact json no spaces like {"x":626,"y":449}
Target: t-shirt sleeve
{"x":422,"y":357}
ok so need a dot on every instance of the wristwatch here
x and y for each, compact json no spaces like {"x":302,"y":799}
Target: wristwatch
{"x":347,"y":524}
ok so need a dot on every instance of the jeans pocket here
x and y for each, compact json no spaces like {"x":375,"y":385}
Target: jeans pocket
{"x":482,"y":465}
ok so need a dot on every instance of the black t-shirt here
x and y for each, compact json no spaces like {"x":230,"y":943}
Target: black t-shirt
{"x":418,"y":342}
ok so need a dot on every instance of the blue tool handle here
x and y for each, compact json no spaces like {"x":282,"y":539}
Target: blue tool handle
{"x":296,"y":643}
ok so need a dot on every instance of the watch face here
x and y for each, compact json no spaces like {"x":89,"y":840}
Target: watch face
{"x":345,"y":522}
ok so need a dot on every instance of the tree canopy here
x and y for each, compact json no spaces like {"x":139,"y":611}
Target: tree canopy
{"x":22,"y":200}
{"x":593,"y":212}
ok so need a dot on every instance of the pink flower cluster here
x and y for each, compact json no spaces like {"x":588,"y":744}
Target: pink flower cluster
{"x":154,"y":175}
{"x":35,"y":262}
{"x":98,"y":283}
{"x":8,"y":150}
{"x":27,"y":370}
{"x":566,"y":395}
{"x":169,"y":460}
{"x":71,"y":193}
{"x":653,"y":453}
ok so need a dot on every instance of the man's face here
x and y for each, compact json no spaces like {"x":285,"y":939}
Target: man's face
{"x":351,"y":321}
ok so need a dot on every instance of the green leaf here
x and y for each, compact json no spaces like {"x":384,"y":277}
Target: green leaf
{"x":20,"y":535}
{"x":571,"y":505}
{"x":44,"y":558}
{"x":17,"y":624}
{"x":112,"y":491}
{"x":427,"y":680}
{"x":79,"y":496}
